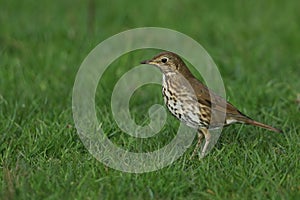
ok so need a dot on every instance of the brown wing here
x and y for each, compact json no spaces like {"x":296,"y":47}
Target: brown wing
{"x":223,"y":110}
{"x":232,"y":114}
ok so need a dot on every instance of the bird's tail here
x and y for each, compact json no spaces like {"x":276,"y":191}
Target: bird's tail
{"x":256,"y":123}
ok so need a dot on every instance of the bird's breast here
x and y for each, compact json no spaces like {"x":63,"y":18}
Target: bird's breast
{"x":182,"y":104}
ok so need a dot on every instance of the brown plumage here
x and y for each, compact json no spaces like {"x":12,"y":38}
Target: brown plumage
{"x":191,"y":101}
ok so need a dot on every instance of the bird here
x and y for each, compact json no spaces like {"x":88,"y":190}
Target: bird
{"x":193,"y":103}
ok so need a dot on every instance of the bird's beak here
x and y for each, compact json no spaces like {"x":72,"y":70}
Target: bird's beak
{"x":145,"y":62}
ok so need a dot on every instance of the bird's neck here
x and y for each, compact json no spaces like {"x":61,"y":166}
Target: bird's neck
{"x":167,"y":76}
{"x":175,"y":78}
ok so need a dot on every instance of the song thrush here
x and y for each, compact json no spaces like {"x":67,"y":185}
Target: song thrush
{"x":190,"y":101}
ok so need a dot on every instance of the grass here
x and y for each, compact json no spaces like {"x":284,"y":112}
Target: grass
{"x":42,"y":44}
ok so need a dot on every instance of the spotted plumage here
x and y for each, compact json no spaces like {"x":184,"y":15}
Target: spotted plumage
{"x":190,"y":101}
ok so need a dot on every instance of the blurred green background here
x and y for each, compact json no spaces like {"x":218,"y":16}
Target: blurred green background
{"x":42,"y":44}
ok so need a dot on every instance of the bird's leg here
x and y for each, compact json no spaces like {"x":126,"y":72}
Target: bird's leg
{"x":207,"y":136}
{"x":200,"y":137}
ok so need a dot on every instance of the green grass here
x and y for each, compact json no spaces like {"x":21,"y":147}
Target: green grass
{"x":42,"y":44}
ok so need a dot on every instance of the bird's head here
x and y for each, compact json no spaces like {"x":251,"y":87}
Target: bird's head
{"x":168,"y":62}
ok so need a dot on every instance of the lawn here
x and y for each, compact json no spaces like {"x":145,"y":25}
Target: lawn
{"x":255,"y":45}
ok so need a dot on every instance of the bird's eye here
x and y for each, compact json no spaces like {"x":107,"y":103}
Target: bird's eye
{"x":164,"y":60}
